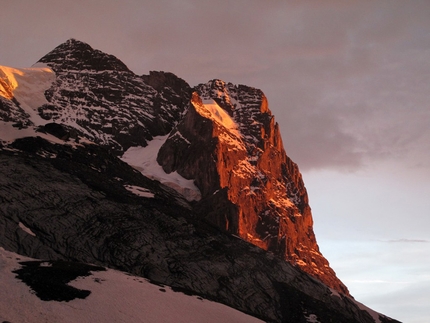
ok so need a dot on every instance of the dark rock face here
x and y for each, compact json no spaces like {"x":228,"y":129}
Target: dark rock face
{"x":75,"y":213}
{"x":79,"y":56}
{"x":10,"y":111}
{"x":247,"y":243}
{"x":106,"y":102}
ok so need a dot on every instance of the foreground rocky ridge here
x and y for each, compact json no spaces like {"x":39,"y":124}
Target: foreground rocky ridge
{"x":76,"y":207}
{"x":79,"y":201}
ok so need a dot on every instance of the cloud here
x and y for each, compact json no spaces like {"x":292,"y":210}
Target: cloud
{"x":408,"y":304}
{"x":391,"y":278}
{"x":374,"y":281}
{"x":408,"y":241}
{"x":347,"y":81}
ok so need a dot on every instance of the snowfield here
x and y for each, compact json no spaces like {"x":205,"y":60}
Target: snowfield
{"x":115,"y":297}
{"x":28,"y":86}
{"x":144,"y":159}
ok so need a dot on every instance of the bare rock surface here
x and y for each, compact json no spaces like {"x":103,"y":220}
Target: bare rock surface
{"x":68,"y":216}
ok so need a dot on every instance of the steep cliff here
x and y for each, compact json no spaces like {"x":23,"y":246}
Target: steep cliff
{"x":230,"y":145}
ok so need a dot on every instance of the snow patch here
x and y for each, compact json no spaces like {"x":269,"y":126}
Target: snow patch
{"x":300,"y":263}
{"x":312,"y":318}
{"x":9,"y":133}
{"x":27,"y":86}
{"x":334,"y":293}
{"x":144,"y":159}
{"x":139,"y":191}
{"x":211,"y":110}
{"x":26,"y":229}
{"x":218,"y":114}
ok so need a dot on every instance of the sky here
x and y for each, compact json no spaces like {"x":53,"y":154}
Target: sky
{"x":347,"y":81}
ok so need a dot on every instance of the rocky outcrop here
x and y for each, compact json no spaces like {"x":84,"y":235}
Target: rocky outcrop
{"x":230,"y":144}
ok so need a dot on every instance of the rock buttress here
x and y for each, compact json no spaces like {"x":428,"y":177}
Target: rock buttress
{"x":230,"y":145}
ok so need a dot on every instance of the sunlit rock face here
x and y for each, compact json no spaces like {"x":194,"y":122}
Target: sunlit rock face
{"x":230,"y":144}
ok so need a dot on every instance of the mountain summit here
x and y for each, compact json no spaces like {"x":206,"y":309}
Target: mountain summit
{"x":189,"y":187}
{"x":79,"y":56}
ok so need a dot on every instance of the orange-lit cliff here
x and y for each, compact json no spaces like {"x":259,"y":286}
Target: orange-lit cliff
{"x":230,"y":144}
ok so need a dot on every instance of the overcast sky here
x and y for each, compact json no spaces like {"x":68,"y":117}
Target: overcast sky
{"x":348,"y":82}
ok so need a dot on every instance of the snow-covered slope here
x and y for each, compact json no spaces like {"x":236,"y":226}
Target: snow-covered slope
{"x":144,"y":159}
{"x":24,"y":90}
{"x":114,"y":297}
{"x":27,"y":85}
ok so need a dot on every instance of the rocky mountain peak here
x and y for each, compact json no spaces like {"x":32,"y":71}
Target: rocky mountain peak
{"x":77,"y":55}
{"x":95,"y":96}
{"x":189,"y":187}
{"x":223,"y":137}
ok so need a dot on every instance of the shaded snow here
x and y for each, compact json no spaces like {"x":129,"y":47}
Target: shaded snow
{"x":9,"y":133}
{"x":140,"y":191}
{"x":312,"y":318}
{"x":26,"y":229}
{"x":334,"y":293}
{"x":115,"y":297}
{"x":145,"y":160}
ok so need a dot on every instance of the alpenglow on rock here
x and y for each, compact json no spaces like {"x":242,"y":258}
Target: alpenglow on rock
{"x":188,"y":187}
{"x":248,"y":183}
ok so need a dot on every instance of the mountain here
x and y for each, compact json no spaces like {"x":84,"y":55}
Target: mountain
{"x":187,"y":187}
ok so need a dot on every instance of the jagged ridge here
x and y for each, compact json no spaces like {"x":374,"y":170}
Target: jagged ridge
{"x":102,"y":99}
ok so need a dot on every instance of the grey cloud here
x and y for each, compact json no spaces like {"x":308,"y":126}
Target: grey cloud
{"x":408,"y":241}
{"x":347,"y":81}
{"x":408,"y":304}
